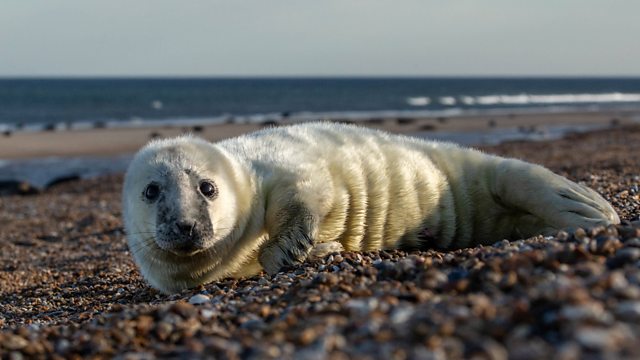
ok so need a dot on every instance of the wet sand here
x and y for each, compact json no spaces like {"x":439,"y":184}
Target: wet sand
{"x":117,"y":141}
{"x":69,"y":288}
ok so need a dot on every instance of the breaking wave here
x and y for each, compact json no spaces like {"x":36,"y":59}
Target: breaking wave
{"x":529,"y":99}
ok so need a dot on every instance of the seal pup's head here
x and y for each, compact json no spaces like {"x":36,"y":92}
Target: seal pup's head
{"x":182,"y":203}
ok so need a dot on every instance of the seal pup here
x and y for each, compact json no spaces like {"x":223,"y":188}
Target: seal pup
{"x":196,"y":211}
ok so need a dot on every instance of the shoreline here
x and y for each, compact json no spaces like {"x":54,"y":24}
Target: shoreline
{"x":31,"y":162}
{"x":113,"y":141}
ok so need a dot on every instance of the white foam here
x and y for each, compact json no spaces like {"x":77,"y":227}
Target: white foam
{"x":545,"y":99}
{"x":418,"y":101}
{"x":447,"y":100}
{"x":468,"y":100}
{"x":157,"y":105}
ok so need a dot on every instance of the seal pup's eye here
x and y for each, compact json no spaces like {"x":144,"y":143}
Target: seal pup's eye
{"x":152,"y":191}
{"x":208,"y":189}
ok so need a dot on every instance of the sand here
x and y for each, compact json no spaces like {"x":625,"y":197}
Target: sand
{"x":117,"y":141}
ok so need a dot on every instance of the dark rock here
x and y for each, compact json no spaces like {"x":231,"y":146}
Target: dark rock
{"x":623,"y":257}
{"x":405,"y":121}
{"x":62,"y":180}
{"x":374,"y":121}
{"x":52,"y":237}
{"x":269,"y":123}
{"x":11,"y":187}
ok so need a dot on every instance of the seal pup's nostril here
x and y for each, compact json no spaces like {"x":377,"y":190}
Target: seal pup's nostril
{"x":185,"y":227}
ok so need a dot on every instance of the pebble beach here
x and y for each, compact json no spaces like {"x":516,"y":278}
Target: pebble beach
{"x":70,"y":290}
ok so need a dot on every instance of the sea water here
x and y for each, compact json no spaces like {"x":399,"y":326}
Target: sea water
{"x":33,"y":104}
{"x":38,"y":104}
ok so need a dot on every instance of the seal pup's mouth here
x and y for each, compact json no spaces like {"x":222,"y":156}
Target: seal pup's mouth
{"x":185,"y":252}
{"x":184,"y":238}
{"x":182,"y":248}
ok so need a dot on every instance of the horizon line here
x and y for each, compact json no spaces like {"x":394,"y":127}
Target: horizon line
{"x":308,"y":77}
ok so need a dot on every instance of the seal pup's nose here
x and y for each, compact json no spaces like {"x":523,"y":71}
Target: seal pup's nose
{"x":185,"y":228}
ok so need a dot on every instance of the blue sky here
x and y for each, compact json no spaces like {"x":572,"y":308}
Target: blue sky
{"x":319,"y":38}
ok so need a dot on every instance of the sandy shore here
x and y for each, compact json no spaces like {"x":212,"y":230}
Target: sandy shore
{"x":116,"y":141}
{"x":69,"y":288}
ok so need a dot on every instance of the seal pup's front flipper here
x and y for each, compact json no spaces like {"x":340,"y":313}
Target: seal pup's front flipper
{"x":295,"y":205}
{"x":291,"y":238}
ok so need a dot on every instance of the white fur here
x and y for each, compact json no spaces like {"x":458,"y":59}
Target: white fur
{"x":363,"y":188}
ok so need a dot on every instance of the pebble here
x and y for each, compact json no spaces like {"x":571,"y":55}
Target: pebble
{"x":362,"y":307}
{"x":624,"y":256}
{"x":401,"y":315}
{"x":603,"y":338}
{"x":14,"y":342}
{"x":594,"y":338}
{"x":629,"y":310}
{"x":593,"y":312}
{"x":568,"y":296}
{"x":633,"y":242}
{"x":199,"y":299}
{"x":207,"y":314}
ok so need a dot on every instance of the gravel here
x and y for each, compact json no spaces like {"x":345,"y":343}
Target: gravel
{"x":69,"y":289}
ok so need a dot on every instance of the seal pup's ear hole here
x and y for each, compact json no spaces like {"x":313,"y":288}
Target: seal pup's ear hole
{"x":208,"y":189}
{"x":152,"y":191}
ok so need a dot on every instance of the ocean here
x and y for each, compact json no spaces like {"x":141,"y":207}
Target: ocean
{"x":33,"y":104}
{"x":48,"y":104}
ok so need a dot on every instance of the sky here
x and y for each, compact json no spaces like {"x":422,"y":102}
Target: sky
{"x":319,"y":38}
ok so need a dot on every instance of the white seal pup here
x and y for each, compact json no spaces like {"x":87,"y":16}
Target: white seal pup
{"x":196,"y":211}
